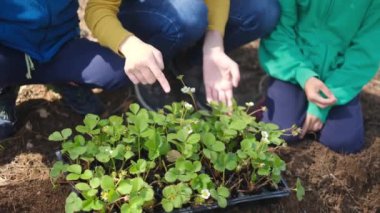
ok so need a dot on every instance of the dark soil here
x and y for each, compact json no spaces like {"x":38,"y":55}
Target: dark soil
{"x":333,"y":182}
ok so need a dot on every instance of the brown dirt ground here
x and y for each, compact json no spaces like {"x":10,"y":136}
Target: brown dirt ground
{"x":333,"y":182}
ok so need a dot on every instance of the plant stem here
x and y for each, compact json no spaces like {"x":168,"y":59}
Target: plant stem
{"x":139,"y":146}
{"x":163,"y":163}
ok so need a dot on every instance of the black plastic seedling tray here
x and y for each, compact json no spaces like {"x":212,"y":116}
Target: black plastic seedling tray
{"x":282,"y":191}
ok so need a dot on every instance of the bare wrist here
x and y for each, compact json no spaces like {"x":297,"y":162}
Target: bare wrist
{"x":213,"y":42}
{"x":123,"y":48}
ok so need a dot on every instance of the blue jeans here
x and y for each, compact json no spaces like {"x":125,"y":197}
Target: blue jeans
{"x":169,"y":25}
{"x":343,"y":130}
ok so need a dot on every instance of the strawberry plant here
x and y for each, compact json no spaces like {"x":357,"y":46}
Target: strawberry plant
{"x":174,"y":158}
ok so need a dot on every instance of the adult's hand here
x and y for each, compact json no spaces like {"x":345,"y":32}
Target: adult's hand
{"x":313,"y":89}
{"x":220,"y":72}
{"x":143,"y":63}
{"x":311,"y":124}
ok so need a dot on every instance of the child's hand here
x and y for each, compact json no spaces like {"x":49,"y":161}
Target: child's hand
{"x":313,"y":89}
{"x":220,"y":75}
{"x":220,"y":72}
{"x":311,"y":124}
{"x":143,"y":63}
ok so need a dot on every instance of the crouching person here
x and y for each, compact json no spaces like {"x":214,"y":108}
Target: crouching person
{"x":320,"y":56}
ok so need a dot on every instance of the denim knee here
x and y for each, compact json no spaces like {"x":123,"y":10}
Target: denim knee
{"x":345,"y":142}
{"x":264,"y":15}
{"x":191,"y":21}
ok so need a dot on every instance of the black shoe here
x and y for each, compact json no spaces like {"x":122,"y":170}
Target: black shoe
{"x":80,"y":99}
{"x":8,"y":119}
{"x":153,"y":97}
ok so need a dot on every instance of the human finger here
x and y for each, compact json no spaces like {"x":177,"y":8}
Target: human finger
{"x":235,"y":74}
{"x":214,"y":95}
{"x":159,"y":75}
{"x":140,"y":77}
{"x":229,"y":96}
{"x":305,"y":127}
{"x":208,"y":94}
{"x":330,"y":96}
{"x":222,"y":97}
{"x":159,"y":58}
{"x":148,"y":75}
{"x":132,"y":77}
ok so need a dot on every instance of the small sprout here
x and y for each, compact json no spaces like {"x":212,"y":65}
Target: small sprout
{"x":205,"y":194}
{"x":300,"y":191}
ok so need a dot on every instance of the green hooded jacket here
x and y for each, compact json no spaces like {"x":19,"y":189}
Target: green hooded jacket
{"x":337,"y":41}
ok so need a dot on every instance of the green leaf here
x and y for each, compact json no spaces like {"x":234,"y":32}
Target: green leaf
{"x":92,"y":192}
{"x":124,"y":187}
{"x":265,"y":171}
{"x":182,"y":135}
{"x":72,"y":176}
{"x":87,"y":174}
{"x":237,"y":125}
{"x":217,"y":146}
{"x":128,"y":155}
{"x":73,"y":203}
{"x":300,"y":190}
{"x":194,"y":138}
{"x":208,"y":138}
{"x":223,"y":191}
{"x":134,"y":108}
{"x":66,"y":133}
{"x":103,"y":157}
{"x":91,"y":120}
{"x":56,"y":136}
{"x":75,"y":152}
{"x":57,"y":169}
{"x":82,"y":129}
{"x":138,"y":167}
{"x":98,"y":205}
{"x":107,"y":183}
{"x":95,"y":183}
{"x":171,"y":175}
{"x":116,"y":120}
{"x":75,"y":168}
{"x":82,"y":186}
{"x":147,"y":194}
{"x":167,"y":205}
{"x":222,"y":202}
{"x":137,"y":184}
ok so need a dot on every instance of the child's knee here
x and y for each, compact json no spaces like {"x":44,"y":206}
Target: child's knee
{"x":345,"y":143}
{"x":264,"y":15}
{"x":190,"y":22}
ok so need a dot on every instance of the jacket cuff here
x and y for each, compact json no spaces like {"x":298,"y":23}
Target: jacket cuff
{"x":304,"y":74}
{"x":320,"y":113}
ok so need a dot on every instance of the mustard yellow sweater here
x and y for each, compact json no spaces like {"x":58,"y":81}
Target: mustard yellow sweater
{"x":101,"y":18}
